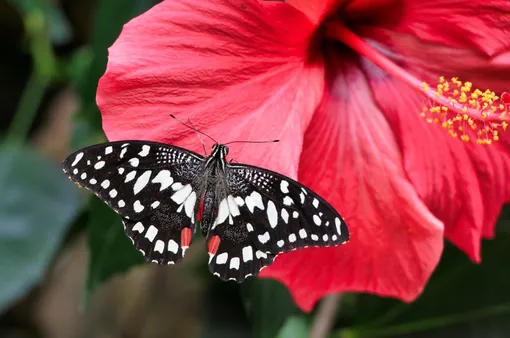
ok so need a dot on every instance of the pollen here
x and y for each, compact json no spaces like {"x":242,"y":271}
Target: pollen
{"x":466,"y":113}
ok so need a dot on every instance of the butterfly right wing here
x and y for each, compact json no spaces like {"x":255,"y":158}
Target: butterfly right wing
{"x":152,"y":186}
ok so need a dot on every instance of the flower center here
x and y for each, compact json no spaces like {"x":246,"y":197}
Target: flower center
{"x":462,"y":110}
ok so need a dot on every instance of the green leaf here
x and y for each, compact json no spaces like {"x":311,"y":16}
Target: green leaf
{"x":268,"y":304}
{"x":111,"y":252}
{"x":461,"y":297}
{"x":37,"y":204}
{"x":60,"y":29}
{"x":295,"y":327}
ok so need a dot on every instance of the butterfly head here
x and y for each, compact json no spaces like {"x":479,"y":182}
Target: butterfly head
{"x":219,"y":151}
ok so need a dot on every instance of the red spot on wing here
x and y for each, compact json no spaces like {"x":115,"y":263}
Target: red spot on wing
{"x":213,"y":245}
{"x":200,"y":212}
{"x":186,"y":236}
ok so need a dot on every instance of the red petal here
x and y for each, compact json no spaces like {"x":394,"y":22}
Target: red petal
{"x":463,"y":184}
{"x":351,"y":159}
{"x":430,"y":60}
{"x":315,"y":10}
{"x":237,"y":69}
{"x":477,"y":24}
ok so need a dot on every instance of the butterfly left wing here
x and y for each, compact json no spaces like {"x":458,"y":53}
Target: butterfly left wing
{"x":266,"y":213}
{"x":152,"y":186}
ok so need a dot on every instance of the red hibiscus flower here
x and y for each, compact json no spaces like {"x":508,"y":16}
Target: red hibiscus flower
{"x":340,"y":84}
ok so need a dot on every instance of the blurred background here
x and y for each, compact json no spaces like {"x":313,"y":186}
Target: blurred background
{"x":67,"y":269}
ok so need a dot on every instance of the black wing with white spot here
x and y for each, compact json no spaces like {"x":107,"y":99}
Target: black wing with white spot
{"x":283,"y":214}
{"x":153,"y":187}
{"x":264,"y":214}
{"x":237,"y":256}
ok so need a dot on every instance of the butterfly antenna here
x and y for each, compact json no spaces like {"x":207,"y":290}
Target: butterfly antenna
{"x":190,"y":126}
{"x":199,"y":136}
{"x":269,"y":141}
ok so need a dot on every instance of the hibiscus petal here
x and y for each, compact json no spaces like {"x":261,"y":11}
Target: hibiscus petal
{"x":237,"y":69}
{"x":429,"y":61}
{"x":473,"y":170}
{"x":352,"y":159}
{"x":437,"y":164}
{"x":315,"y":10}
{"x":477,"y":25}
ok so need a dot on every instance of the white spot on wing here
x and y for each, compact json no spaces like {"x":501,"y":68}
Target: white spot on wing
{"x":164,"y":178}
{"x":134,"y":162}
{"x":338,"y":223}
{"x":180,"y":195}
{"x":137,"y":206}
{"x":302,"y":197}
{"x":189,"y":204}
{"x":176,"y":186}
{"x":254,"y":200}
{"x":145,"y":150}
{"x":121,"y":203}
{"x":234,"y":263}
{"x":83,"y":176}
{"x":99,"y":165}
{"x":108,"y":150}
{"x":155,"y":204}
{"x":315,"y":237}
{"x":272,"y":214}
{"x":139,"y":227}
{"x":113,"y":193}
{"x":315,"y":202}
{"x":288,"y":201}
{"x":259,"y":254}
{"x":222,"y":258}
{"x":160,"y":246}
{"x":142,"y":181}
{"x":284,"y":186}
{"x":130,"y":176}
{"x":325,"y":237}
{"x":317,"y":220}
{"x":264,"y":238}
{"x":222,"y":212}
{"x":292,"y":238}
{"x":247,"y":254}
{"x":105,"y":184}
{"x":280,"y":243}
{"x":249,"y":227}
{"x":123,"y":152}
{"x":77,"y":159}
{"x":302,"y":233}
{"x":239,"y":201}
{"x":285,"y":215}
{"x":173,"y":246}
{"x":232,"y":206}
{"x":151,"y":233}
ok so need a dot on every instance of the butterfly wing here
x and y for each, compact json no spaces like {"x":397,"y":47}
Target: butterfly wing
{"x":153,"y":186}
{"x":266,"y":213}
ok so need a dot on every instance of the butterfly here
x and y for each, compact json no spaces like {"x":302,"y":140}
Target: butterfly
{"x":247,"y":214}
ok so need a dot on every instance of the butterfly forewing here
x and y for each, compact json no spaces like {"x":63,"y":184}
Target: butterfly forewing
{"x":151,"y":185}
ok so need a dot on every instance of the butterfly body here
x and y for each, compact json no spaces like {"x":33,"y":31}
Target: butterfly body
{"x":247,"y":214}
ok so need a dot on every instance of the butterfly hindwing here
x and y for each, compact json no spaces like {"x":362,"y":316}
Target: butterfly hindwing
{"x":153,"y":187}
{"x":282,"y":214}
{"x":236,"y":257}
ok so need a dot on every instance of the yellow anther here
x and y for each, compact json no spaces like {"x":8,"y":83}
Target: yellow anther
{"x":469,"y":113}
